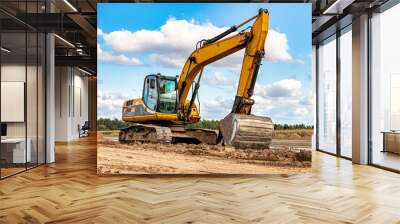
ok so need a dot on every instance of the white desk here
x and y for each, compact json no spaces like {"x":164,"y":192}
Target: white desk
{"x":18,"y":150}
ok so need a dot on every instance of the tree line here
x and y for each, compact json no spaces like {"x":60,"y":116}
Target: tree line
{"x":106,"y":124}
{"x":292,"y":126}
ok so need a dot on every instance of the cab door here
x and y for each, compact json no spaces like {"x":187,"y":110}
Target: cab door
{"x":150,"y":92}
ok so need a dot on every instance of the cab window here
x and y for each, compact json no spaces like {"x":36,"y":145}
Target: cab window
{"x":150,"y":93}
{"x":167,"y":96}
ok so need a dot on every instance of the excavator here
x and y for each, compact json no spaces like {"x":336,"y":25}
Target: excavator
{"x":164,"y":112}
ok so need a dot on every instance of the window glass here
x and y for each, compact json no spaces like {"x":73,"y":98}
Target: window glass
{"x":150,"y":93}
{"x":385,"y":88}
{"x":346,"y":93}
{"x":327,"y":96}
{"x":167,"y":96}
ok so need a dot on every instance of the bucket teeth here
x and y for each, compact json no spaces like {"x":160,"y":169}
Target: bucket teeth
{"x":247,"y":131}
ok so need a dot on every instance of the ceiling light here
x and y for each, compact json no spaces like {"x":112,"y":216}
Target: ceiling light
{"x":5,"y":50}
{"x":70,"y":5}
{"x":337,"y":7}
{"x":64,"y":40}
{"x":331,"y":7}
{"x":79,"y":51}
{"x":84,"y":71}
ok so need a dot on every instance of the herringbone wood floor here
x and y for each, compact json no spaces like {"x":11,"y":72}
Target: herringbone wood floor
{"x":69,"y":191}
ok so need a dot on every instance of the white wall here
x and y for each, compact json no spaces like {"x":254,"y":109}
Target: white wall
{"x":12,"y":73}
{"x":80,"y":110}
{"x":16,"y":73}
{"x":62,"y":82}
{"x":71,"y":103}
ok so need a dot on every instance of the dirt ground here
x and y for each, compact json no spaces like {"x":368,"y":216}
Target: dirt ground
{"x":146,"y":158}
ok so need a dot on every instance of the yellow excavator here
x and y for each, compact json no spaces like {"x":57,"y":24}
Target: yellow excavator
{"x":164,"y":112}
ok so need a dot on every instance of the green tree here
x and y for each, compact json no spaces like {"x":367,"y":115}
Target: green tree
{"x":106,"y":124}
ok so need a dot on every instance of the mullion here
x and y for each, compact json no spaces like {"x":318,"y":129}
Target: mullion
{"x":26,"y":86}
{"x":316,"y":97}
{"x":0,"y":96}
{"x":37,"y":91}
{"x":338,"y":98}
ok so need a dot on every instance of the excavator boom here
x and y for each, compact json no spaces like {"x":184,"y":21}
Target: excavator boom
{"x":239,"y":128}
{"x":214,"y":49}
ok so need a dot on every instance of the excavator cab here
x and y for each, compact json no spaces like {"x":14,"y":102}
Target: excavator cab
{"x":160,"y":93}
{"x":159,"y":102}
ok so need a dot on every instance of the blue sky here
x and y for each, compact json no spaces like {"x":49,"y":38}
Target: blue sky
{"x":135,"y":40}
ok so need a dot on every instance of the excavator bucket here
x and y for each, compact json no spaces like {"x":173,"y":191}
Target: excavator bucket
{"x":247,"y":131}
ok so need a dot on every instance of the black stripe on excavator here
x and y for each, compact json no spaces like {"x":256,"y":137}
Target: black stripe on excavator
{"x":191,"y":59}
{"x":195,"y":91}
{"x":236,"y":104}
{"x":219,"y":36}
{"x":259,"y":56}
{"x":240,"y":103}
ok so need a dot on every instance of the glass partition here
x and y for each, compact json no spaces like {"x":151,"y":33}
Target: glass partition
{"x":13,"y":94}
{"x":22,"y":77}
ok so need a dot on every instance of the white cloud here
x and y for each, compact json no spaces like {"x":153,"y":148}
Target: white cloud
{"x":218,"y":79}
{"x":299,"y":61}
{"x":281,"y":88}
{"x":174,"y":61}
{"x":283,"y":101}
{"x":116,"y":59}
{"x":277,"y":47}
{"x":176,"y":39}
{"x":99,"y":32}
{"x":109,"y":103}
{"x":174,"y":36}
{"x":216,"y":108}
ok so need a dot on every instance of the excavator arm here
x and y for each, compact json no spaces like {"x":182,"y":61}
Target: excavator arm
{"x":239,"y":128}
{"x":219,"y":47}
